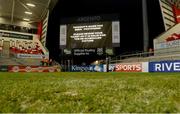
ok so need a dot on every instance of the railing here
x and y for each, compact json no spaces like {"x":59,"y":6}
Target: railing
{"x":44,"y":49}
{"x":55,"y":63}
{"x":147,"y":56}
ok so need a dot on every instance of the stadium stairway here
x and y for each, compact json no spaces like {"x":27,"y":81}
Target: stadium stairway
{"x":8,"y":61}
{"x":27,"y":61}
{"x":18,"y":61}
{"x":5,"y":51}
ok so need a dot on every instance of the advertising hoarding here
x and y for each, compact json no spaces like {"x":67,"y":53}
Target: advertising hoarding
{"x":164,"y":66}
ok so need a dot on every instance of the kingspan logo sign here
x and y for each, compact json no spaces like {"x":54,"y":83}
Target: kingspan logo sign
{"x":89,"y":68}
{"x":81,"y":68}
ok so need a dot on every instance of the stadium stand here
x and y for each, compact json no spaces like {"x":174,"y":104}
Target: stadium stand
{"x":18,"y":52}
{"x":22,"y":40}
{"x":7,"y":61}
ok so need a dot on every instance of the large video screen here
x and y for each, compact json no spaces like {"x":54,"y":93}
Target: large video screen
{"x":90,"y":35}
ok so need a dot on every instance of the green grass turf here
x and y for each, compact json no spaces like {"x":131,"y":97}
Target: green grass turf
{"x":90,"y":92}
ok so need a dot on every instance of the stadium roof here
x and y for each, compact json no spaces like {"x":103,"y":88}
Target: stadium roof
{"x":28,"y":10}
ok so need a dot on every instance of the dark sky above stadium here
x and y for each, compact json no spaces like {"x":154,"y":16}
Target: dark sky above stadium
{"x":130,"y":12}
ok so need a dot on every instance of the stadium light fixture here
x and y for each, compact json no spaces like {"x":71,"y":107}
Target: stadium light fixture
{"x":96,"y":62}
{"x":27,"y":12}
{"x":25,"y":19}
{"x":30,"y":4}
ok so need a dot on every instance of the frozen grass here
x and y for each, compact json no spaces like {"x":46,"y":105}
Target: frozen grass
{"x":90,"y":92}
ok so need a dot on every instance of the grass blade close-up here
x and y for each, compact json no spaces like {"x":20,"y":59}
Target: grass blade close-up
{"x":90,"y":92}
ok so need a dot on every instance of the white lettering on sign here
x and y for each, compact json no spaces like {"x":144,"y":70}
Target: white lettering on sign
{"x":167,"y":66}
{"x":88,"y":33}
{"x":129,"y":67}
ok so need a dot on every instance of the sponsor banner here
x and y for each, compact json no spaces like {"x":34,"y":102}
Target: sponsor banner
{"x":111,"y":67}
{"x":170,"y":44}
{"x":3,"y":68}
{"x":128,"y":67}
{"x":115,"y":33}
{"x":16,"y":35}
{"x":109,"y":51}
{"x":34,"y":56}
{"x":33,"y":69}
{"x":90,"y":19}
{"x":88,"y":68}
{"x":88,"y":51}
{"x":63,"y":35}
{"x":67,"y":52}
{"x":164,"y":66}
